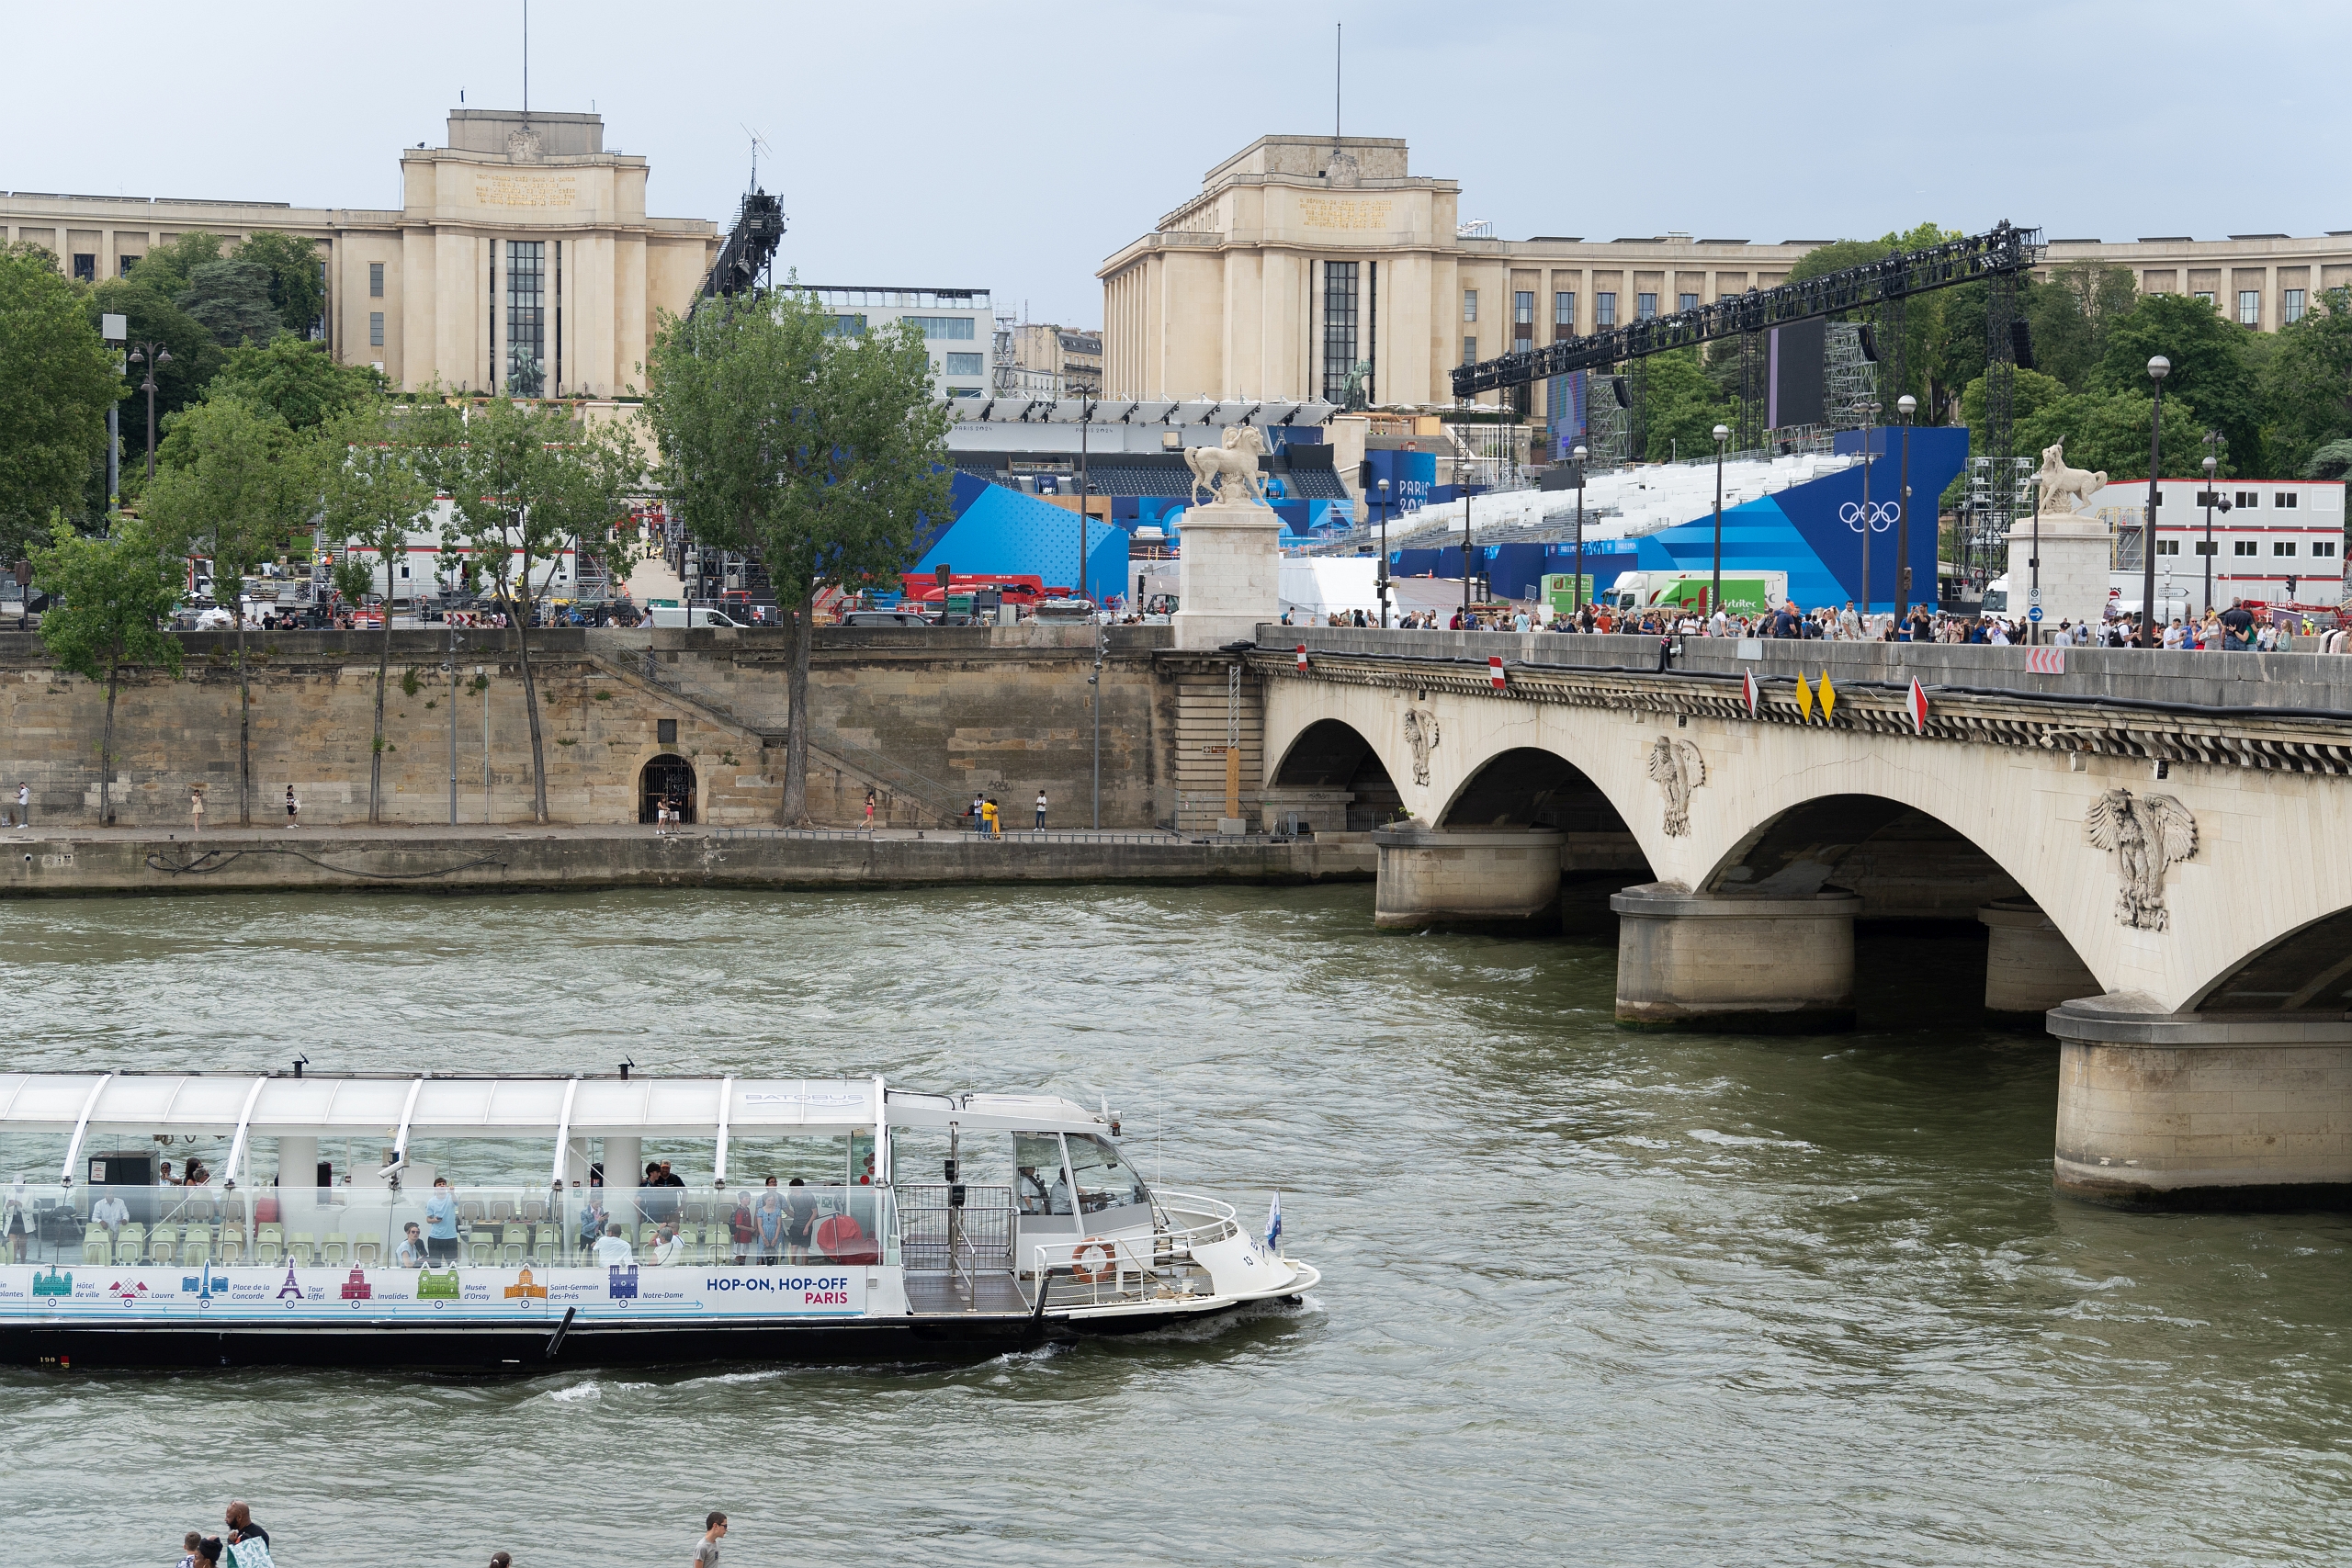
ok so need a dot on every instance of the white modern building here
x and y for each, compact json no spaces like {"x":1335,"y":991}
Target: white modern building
{"x":2281,"y":540}
{"x":958,"y":325}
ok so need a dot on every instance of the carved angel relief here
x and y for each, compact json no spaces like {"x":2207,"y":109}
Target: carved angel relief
{"x":1677,"y":769}
{"x":2147,"y":836}
{"x":1420,"y":734}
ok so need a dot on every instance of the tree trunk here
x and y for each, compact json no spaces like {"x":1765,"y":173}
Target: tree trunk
{"x":794,"y":813}
{"x":244,"y":729}
{"x":383,"y":667}
{"x":531,"y":700}
{"x":105,"y":753}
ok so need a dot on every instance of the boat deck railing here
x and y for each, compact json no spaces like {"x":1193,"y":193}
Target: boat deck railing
{"x":1102,"y":1271}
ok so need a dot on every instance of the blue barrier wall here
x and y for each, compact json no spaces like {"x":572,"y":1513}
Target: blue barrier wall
{"x":1003,"y":531}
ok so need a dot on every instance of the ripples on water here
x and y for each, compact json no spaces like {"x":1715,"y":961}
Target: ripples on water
{"x":1590,"y":1297}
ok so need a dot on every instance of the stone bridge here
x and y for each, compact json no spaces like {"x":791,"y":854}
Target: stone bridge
{"x":2156,"y":842}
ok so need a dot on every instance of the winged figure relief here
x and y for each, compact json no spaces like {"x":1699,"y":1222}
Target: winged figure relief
{"x":1677,"y":769}
{"x":2147,"y":836}
{"x":1421,"y":738}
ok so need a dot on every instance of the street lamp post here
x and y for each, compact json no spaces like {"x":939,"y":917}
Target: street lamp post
{"x":154,"y":356}
{"x":1383,"y":486}
{"x":1465,"y":560}
{"x":1716,"y":586}
{"x":1577,"y":592}
{"x":1906,"y":405}
{"x":2158,"y":368}
{"x":2211,"y":463}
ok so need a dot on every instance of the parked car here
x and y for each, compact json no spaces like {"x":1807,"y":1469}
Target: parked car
{"x":884,"y":619}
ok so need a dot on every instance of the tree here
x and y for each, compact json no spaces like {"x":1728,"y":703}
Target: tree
{"x":115,"y":591}
{"x":232,"y":482}
{"x":297,"y":284}
{"x":152,"y":318}
{"x":2213,"y":365}
{"x":167,"y":267}
{"x":376,"y":486}
{"x":2307,"y":385}
{"x":1685,"y":405}
{"x":822,"y":453}
{"x":2108,"y":432}
{"x":525,"y":482}
{"x":232,"y":299}
{"x":1922,"y":314}
{"x":296,"y":380}
{"x":57,"y":380}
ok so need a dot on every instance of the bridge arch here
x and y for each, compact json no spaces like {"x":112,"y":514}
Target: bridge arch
{"x":1904,"y":860}
{"x":1333,"y":776}
{"x":1534,"y":786}
{"x":2308,"y":971}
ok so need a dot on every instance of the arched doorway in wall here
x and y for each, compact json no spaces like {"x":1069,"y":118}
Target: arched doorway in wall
{"x":668,"y":775}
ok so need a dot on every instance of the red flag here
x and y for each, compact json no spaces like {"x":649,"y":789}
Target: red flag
{"x":1302,"y":658}
{"x":1747,"y":690}
{"x":1495,"y":671}
{"x":1918,"y":705}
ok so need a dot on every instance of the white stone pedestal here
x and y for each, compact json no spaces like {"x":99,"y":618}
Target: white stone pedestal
{"x":1229,"y":573}
{"x":2075,"y":554}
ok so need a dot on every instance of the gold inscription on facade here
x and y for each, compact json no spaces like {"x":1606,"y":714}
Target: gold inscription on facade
{"x":527,"y":190}
{"x":1322,"y":212}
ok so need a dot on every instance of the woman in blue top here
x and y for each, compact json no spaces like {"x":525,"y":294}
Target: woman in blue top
{"x":441,"y":1223}
{"x":771,"y":1222}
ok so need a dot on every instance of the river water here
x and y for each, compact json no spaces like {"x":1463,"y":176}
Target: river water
{"x":1590,"y":1297}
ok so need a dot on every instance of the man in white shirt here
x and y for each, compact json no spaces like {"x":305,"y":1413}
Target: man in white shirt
{"x":612,"y":1248}
{"x":110,"y":1214}
{"x":668,"y":1247}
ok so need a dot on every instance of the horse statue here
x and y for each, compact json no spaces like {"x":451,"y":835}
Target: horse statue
{"x":1220,"y":469}
{"x":2058,"y":481}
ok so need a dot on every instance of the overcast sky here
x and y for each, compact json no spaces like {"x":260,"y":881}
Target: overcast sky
{"x":1014,"y":146}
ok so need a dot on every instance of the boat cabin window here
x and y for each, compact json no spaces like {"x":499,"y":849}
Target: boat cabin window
{"x":1040,"y":1185}
{"x":1102,"y":1179}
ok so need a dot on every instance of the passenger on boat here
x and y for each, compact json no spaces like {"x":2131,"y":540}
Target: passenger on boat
{"x":744,"y":1227}
{"x":592,"y":1220}
{"x":410,"y":1254}
{"x":803,"y":1204}
{"x":771,"y":1222}
{"x":613,"y":1250}
{"x":19,"y":1220}
{"x":441,"y":1223}
{"x":668,"y":1249}
{"x":110,"y":1214}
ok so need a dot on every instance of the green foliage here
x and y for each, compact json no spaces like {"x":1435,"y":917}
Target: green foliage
{"x":2108,"y":432}
{"x":115,"y":588}
{"x":1685,"y":404}
{"x":2071,"y":315}
{"x":168,"y":267}
{"x":2214,"y":368}
{"x":821,"y":452}
{"x":297,"y":380}
{"x":353,"y":578}
{"x":2307,"y":385}
{"x":152,"y":318}
{"x":375,"y":485}
{"x":232,"y":482}
{"x":57,"y":380}
{"x":527,"y":480}
{"x":232,"y":299}
{"x":297,"y":287}
{"x":2333,"y":462}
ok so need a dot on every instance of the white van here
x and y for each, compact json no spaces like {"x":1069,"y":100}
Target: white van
{"x":678,"y":615}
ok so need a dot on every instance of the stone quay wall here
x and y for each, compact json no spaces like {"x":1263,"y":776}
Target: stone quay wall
{"x":922,"y":716}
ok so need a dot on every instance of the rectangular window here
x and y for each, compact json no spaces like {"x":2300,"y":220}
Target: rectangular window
{"x":1469,"y":351}
{"x":2167,"y":546}
{"x":2206,"y":498}
{"x":1523,"y":307}
{"x":2285,"y":500}
{"x":1686,"y":302}
{"x":2206,"y":547}
{"x":526,"y":312}
{"x":85,"y":267}
{"x":2244,"y":547}
{"x":126,"y":263}
{"x":1604,"y":309}
{"x":665,"y":732}
{"x":1522,"y":345}
{"x":2282,"y":546}
{"x":375,"y":329}
{"x":2246,"y":500}
{"x":2249,"y":307}
{"x":2205,"y":294}
{"x":959,"y":327}
{"x":846,"y":326}
{"x":2290,"y":308}
{"x":1645,"y":307}
{"x":1469,"y":304}
{"x":374,"y":280}
{"x":962,"y":364}
{"x":1339,"y":329}
{"x":1564,"y":310}
{"x":2322,"y":546}
{"x":963,"y":391}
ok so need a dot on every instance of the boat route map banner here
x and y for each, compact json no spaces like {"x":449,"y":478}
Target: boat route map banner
{"x":161,"y":1294}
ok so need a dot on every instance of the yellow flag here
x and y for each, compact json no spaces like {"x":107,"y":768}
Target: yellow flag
{"x":1804,"y":698}
{"x":1828,"y":698}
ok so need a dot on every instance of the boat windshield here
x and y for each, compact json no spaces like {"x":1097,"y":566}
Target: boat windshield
{"x":1103,"y":1178}
{"x":1039,"y":1183}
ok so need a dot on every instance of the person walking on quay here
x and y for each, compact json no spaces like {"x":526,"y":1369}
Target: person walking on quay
{"x":869,"y":811}
{"x":293,"y":807}
{"x":195,"y":811}
{"x":24,"y":805}
{"x":1041,"y":813}
{"x":979,"y":813}
{"x":714,"y":1531}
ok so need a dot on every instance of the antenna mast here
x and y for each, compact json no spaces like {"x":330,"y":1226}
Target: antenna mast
{"x":526,"y":60}
{"x":1339,"y":41}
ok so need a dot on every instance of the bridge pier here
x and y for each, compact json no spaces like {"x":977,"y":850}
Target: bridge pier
{"x":2029,"y":966}
{"x":1704,"y":961}
{"x":2244,"y":1110}
{"x":1492,"y":879}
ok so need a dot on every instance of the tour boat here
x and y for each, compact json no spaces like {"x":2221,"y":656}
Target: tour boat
{"x":532,"y":1222}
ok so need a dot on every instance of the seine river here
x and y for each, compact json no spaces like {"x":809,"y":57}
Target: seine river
{"x":1590,"y":1297}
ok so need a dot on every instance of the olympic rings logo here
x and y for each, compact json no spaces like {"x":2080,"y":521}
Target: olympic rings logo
{"x":1882,"y":515}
